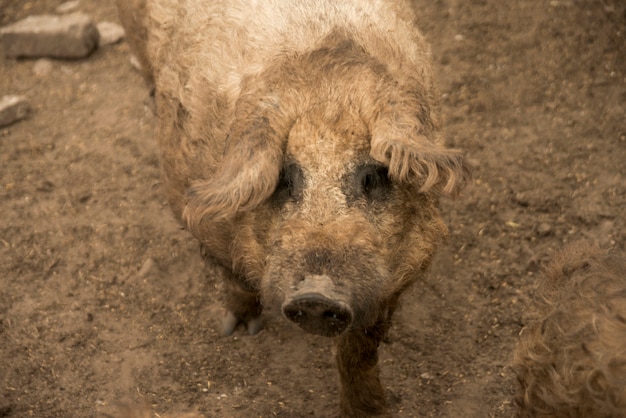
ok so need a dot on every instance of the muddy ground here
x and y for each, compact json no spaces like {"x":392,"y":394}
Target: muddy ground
{"x":103,"y":297}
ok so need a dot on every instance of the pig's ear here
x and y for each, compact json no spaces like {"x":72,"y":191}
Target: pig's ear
{"x":412,"y":157}
{"x":246,"y":177}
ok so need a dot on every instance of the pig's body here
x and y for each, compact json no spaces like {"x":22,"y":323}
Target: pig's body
{"x":301,"y":146}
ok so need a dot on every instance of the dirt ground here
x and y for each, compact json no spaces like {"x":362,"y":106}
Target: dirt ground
{"x":103,"y":297}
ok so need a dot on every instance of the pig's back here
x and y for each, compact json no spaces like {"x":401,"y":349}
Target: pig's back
{"x":202,"y":49}
{"x":202,"y":52}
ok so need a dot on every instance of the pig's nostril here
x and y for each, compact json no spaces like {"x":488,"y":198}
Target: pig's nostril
{"x":330,"y":315}
{"x":318,"y":314}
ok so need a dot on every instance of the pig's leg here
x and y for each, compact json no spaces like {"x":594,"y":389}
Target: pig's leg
{"x":242,"y":306}
{"x":241,"y":301}
{"x":362,"y":394}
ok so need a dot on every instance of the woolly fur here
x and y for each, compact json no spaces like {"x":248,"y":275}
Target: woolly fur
{"x":236,"y":75}
{"x":247,"y":88}
{"x":571,"y":361}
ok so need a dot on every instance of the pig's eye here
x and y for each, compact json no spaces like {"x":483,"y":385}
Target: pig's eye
{"x":373,"y":181}
{"x":290,"y":185}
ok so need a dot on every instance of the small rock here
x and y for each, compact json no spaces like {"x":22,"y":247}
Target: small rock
{"x":607,"y":227}
{"x":606,"y":231}
{"x":544,"y":229}
{"x":148,"y":267}
{"x":67,"y":7}
{"x":110,"y":33}
{"x":12,"y":109}
{"x":67,"y":36}
{"x":42,"y":67}
{"x":473,"y":163}
{"x":134,"y":62}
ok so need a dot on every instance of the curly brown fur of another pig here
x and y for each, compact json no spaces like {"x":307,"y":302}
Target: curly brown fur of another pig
{"x":301,"y":146}
{"x":571,"y":361}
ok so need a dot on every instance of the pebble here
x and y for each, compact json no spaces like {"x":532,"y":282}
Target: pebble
{"x":110,"y":33}
{"x":42,"y":67}
{"x":67,"y":36}
{"x":67,"y":7}
{"x":149,"y":266}
{"x":544,"y":229}
{"x":12,"y":109}
{"x":134,"y":62}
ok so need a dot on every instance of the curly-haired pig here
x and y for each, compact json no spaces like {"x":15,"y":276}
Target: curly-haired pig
{"x":301,"y":146}
{"x":570,"y":360}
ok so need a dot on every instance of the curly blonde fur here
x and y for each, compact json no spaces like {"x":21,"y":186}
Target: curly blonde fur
{"x":342,"y":92}
{"x":571,"y":361}
{"x":265,"y":64}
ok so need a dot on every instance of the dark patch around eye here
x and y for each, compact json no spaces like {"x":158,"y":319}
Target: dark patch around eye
{"x":373,"y":181}
{"x":368,"y":182}
{"x":290,"y":185}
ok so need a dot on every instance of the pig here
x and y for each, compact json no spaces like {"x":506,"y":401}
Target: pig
{"x":571,"y":359}
{"x":301,"y":145}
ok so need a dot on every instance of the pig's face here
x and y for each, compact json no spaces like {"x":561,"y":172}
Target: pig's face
{"x":338,"y":237}
{"x":326,"y":198}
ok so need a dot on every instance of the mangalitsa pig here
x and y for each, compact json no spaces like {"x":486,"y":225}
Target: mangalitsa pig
{"x":570,"y":360}
{"x":301,"y":146}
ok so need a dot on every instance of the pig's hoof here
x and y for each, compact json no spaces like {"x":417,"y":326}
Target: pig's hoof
{"x":255,"y":325}
{"x":231,"y":321}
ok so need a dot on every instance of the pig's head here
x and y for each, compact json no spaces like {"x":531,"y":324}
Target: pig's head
{"x":329,"y":195}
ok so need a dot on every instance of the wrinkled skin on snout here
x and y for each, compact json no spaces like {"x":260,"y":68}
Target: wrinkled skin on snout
{"x":301,"y":146}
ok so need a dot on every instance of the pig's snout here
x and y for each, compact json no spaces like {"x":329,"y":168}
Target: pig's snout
{"x":317,"y":306}
{"x":317,"y":314}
